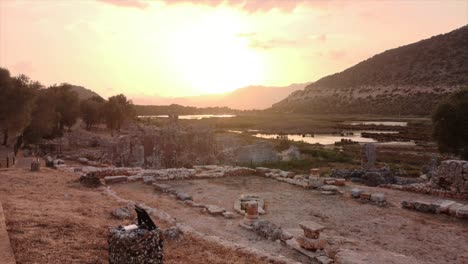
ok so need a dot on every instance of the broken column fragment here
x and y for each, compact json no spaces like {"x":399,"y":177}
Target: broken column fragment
{"x":251,"y":214}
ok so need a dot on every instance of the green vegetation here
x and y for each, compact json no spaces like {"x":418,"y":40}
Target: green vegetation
{"x":30,"y":112}
{"x":451,"y":124}
{"x":92,"y":111}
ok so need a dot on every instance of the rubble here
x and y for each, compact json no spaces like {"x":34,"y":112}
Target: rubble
{"x":270,"y":231}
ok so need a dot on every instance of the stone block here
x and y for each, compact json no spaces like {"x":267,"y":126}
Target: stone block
{"x":311,"y":244}
{"x":329,"y":188}
{"x":311,"y":229}
{"x":315,"y":182}
{"x":442,"y":206}
{"x":378,"y":197}
{"x":407,"y":205}
{"x":424,"y":207}
{"x":183,"y":196}
{"x":340,"y":182}
{"x":462,"y":212}
{"x":161,"y":187}
{"x":215,"y":210}
{"x":365,"y":195}
{"x":355,"y":192}
{"x":115,"y":179}
{"x":228,"y":215}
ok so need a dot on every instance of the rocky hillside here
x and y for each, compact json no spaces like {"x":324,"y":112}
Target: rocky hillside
{"x":407,"y":80}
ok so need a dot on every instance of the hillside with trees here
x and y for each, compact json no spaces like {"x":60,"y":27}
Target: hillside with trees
{"x":409,"y":80}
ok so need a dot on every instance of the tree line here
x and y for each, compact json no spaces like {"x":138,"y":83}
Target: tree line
{"x":29,"y":111}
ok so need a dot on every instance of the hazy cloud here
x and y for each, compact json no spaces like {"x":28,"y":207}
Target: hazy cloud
{"x":253,"y":6}
{"x":140,"y":4}
{"x":258,"y":42}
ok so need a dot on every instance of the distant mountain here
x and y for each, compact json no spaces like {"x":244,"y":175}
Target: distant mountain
{"x":407,"y":80}
{"x":84,"y":93}
{"x":246,"y":98}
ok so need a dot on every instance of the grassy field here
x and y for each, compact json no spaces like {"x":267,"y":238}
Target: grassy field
{"x":290,"y":123}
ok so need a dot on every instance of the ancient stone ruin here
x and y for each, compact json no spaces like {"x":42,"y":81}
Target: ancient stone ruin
{"x":136,"y":246}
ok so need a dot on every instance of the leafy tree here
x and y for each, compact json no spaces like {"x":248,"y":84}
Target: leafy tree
{"x":16,"y":102}
{"x":67,"y":105}
{"x":451,"y":124}
{"x":44,"y":118}
{"x":116,"y":110}
{"x":92,"y":111}
{"x":55,"y":108}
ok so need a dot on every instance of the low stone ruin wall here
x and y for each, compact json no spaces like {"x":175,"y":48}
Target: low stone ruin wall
{"x":449,"y":180}
{"x":448,"y":207}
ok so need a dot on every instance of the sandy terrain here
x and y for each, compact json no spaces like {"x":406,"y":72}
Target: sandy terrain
{"x":350,"y":224}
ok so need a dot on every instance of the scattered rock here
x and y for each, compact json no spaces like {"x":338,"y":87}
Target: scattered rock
{"x":228,"y":215}
{"x":183,"y":196}
{"x":83,"y":160}
{"x":378,"y":197}
{"x":356,"y":193}
{"x":122,"y":213}
{"x":173,"y":233}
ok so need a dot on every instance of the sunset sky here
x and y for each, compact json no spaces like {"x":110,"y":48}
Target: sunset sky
{"x":147,"y":49}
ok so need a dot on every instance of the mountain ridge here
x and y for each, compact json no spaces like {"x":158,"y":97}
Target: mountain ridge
{"x":408,"y":80}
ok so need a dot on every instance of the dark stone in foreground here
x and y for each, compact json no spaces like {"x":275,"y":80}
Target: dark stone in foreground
{"x":139,"y":246}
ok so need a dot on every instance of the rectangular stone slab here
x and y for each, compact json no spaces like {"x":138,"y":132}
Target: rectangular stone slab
{"x":311,"y":229}
{"x":115,"y":179}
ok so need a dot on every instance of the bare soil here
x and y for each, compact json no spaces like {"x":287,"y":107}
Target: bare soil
{"x":350,"y":224}
{"x":52,"y":219}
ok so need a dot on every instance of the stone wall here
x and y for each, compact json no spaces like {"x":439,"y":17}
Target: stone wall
{"x":167,"y":147}
{"x":451,"y":175}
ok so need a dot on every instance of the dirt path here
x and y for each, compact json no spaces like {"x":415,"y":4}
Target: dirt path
{"x":428,"y":238}
{"x":52,"y":219}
